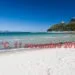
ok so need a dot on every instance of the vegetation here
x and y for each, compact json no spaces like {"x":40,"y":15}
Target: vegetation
{"x":63,"y":26}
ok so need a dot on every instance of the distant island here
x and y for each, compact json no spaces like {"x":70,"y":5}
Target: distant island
{"x":63,"y":26}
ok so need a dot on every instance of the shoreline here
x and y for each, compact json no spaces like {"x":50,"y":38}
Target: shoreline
{"x":64,"y":32}
{"x":68,"y":45}
{"x":37,"y":46}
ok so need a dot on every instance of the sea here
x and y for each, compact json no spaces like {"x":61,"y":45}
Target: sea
{"x":35,"y":38}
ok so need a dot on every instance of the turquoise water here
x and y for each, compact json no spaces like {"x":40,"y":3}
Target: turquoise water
{"x":35,"y":38}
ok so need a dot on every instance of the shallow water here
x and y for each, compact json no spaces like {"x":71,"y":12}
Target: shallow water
{"x":35,"y":38}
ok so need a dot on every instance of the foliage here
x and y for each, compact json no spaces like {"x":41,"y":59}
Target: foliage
{"x":63,"y":27}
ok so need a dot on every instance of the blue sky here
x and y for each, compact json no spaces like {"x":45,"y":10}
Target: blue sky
{"x":34,"y":15}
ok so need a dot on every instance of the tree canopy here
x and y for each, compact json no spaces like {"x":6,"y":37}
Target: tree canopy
{"x":63,"y":26}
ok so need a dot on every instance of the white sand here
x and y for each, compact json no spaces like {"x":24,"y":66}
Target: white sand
{"x":38,"y":62}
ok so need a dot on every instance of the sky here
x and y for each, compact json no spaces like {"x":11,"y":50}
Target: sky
{"x":34,"y":15}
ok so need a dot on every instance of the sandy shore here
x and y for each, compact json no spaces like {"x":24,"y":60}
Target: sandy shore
{"x":59,"y":61}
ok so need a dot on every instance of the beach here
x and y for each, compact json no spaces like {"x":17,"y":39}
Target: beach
{"x":37,"y":37}
{"x":37,"y":54}
{"x":50,"y":61}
